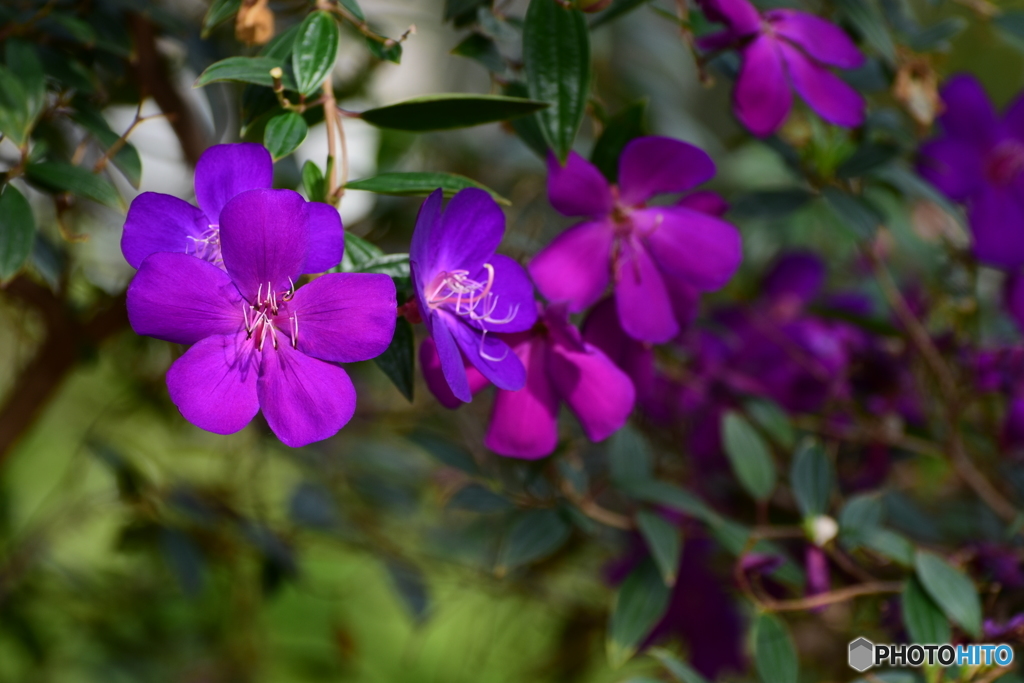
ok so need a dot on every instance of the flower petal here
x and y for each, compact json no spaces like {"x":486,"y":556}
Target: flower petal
{"x":600,"y":394}
{"x":452,"y":366}
{"x":820,"y":39}
{"x":705,"y":201}
{"x":575,"y":268}
{"x":524,"y":424}
{"x":422,"y":252}
{"x":344,"y":317}
{"x":182,"y":299}
{"x":997,"y":223}
{"x":655,"y":165}
{"x":326,"y":238}
{"x":303,"y":399}
{"x":264,"y":237}
{"x":797,"y":276}
{"x":1013,"y":296}
{"x":968,"y":113}
{"x":827,"y":94}
{"x":953,"y":166}
{"x":704,"y":250}
{"x":214,"y":383}
{"x":470,"y":231}
{"x":762,"y":98}
{"x":488,"y":354}
{"x":159,"y":223}
{"x":578,"y":188}
{"x":512,"y":296}
{"x":641,"y":298}
{"x":430,"y":365}
{"x":224,"y":171}
{"x":739,"y":15}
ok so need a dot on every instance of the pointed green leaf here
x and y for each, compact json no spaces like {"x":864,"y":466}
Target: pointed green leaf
{"x":664,"y":541}
{"x":629,"y":456}
{"x":392,"y":265}
{"x":749,"y":456}
{"x":284,"y":133}
{"x":483,"y":50}
{"x":14,"y":107}
{"x":420,"y":185}
{"x":57,"y":176}
{"x":386,"y":52}
{"x":22,"y":60}
{"x":354,"y":9}
{"x":857,"y":215}
{"x":867,"y":19}
{"x":220,"y":11}
{"x":620,"y":129}
{"x":771,"y":418}
{"x":254,"y":70}
{"x":17,"y":231}
{"x":774,"y":652}
{"x":680,"y":670}
{"x":812,"y":478}
{"x":313,"y":182}
{"x":533,"y":536}
{"x":357,"y":252}
{"x":397,"y":361}
{"x":527,"y":127}
{"x":314,"y":51}
{"x":640,"y":603}
{"x":951,"y":590}
{"x":616,"y":10}
{"x":449,"y":110}
{"x":924,"y":620}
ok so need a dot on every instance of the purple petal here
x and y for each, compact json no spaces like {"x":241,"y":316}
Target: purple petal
{"x":654,"y":165}
{"x":160,"y":223}
{"x":488,"y":354}
{"x":602,"y":330}
{"x":645,"y":310}
{"x":1013,"y":118}
{"x":524,"y":424}
{"x":762,"y":98}
{"x":182,"y":299}
{"x":997,"y":223}
{"x":684,"y":296}
{"x":821,"y":39}
{"x":303,"y":399}
{"x":739,"y":15}
{"x":575,"y":267}
{"x":224,"y":171}
{"x":953,"y":166}
{"x":705,"y":201}
{"x":798,"y":275}
{"x":452,"y":365}
{"x":600,"y":394}
{"x":214,"y":383}
{"x":512,"y":296}
{"x":430,"y":365}
{"x":720,"y":40}
{"x":326,"y":238}
{"x":421,"y":253}
{"x":264,"y":237}
{"x":578,"y":188}
{"x":1012,"y":436}
{"x":703,"y":250}
{"x":828,"y":95}
{"x":1013,"y":297}
{"x":344,"y":317}
{"x":968,"y":113}
{"x":817,"y":571}
{"x":470,"y":230}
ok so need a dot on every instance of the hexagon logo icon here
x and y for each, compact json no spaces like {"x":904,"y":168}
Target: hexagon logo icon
{"x":862,"y":654}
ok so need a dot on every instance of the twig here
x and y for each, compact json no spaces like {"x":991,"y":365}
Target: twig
{"x":114,"y":148}
{"x":595,"y":511}
{"x":830,"y":598}
{"x":330,"y":118}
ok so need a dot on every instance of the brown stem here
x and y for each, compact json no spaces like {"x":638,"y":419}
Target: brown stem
{"x":830,"y":598}
{"x":330,"y":120}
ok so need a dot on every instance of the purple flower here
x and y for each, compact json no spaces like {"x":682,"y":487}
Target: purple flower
{"x":783,"y":49}
{"x":977,"y":161}
{"x":258,"y":341}
{"x":658,"y":258}
{"x":465,"y":291}
{"x":161,"y":223}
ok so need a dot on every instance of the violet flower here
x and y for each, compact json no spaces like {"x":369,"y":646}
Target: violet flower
{"x":658,"y":258}
{"x":783,"y":49}
{"x":978,"y":161}
{"x":162,"y":223}
{"x":465,"y":292}
{"x":258,"y":341}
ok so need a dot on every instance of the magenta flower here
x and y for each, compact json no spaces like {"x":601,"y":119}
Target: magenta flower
{"x":161,"y":223}
{"x":978,"y":161}
{"x":657,"y":258}
{"x":258,"y":341}
{"x":783,"y":49}
{"x":466,"y":292}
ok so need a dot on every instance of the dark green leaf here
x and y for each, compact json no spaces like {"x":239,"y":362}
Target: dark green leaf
{"x":938,"y":35}
{"x":924,"y":620}
{"x":482,"y":49}
{"x":15,"y":121}
{"x":620,"y":129}
{"x":663,"y":540}
{"x":397,"y":361}
{"x":411,"y":585}
{"x":527,"y":127}
{"x":556,"y":53}
{"x":313,"y":182}
{"x":219,"y":12}
{"x":771,"y":418}
{"x":770,"y":204}
{"x":867,"y":158}
{"x":680,"y":670}
{"x":280,"y":47}
{"x":616,"y":10}
{"x":1011,"y":23}
{"x":392,"y":265}
{"x":57,"y":176}
{"x":69,"y":25}
{"x":449,"y":110}
{"x":951,"y":590}
{"x":254,"y":70}
{"x":390,"y":51}
{"x":641,"y":601}
{"x":126,"y":159}
{"x":477,"y":498}
{"x":749,"y":456}
{"x":312,"y":505}
{"x":184,"y":559}
{"x":861,"y":514}
{"x":17,"y":231}
{"x":445,"y":451}
{"x":24,"y":63}
{"x":890,"y":544}
{"x":774,"y":652}
{"x":456,"y":9}
{"x":671,"y":496}
{"x":357,"y":252}
{"x":533,"y":536}
{"x":812,"y":477}
{"x":420,"y":185}
{"x":867,"y":19}
{"x":859,"y":217}
{"x":284,"y":133}
{"x":314,"y":51}
{"x":629,"y":456}
{"x":735,"y":537}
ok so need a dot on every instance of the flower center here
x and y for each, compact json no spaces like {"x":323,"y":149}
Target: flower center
{"x":470,"y":298}
{"x":263,"y":317}
{"x":206,"y":246}
{"x":1005,"y":162}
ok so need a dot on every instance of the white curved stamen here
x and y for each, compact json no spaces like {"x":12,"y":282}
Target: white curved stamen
{"x":485,"y":355}
{"x":259,"y":316}
{"x":470,"y":298}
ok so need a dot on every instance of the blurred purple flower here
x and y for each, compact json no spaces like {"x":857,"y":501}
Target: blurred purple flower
{"x":1001,"y":563}
{"x":1012,"y":628}
{"x":258,"y":342}
{"x":158,"y":223}
{"x":978,"y":161}
{"x":783,"y":49}
{"x":658,"y":258}
{"x":816,"y":564}
{"x":465,"y":291}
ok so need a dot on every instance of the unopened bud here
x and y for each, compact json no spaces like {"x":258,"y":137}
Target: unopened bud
{"x":821,"y":529}
{"x":254,"y":24}
{"x":592,"y":5}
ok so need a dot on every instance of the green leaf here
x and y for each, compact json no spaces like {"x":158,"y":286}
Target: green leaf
{"x":771,"y":204}
{"x":284,"y":133}
{"x":951,"y":590}
{"x":357,"y":252}
{"x":924,"y":620}
{"x":386,"y":52}
{"x":313,"y":182}
{"x":669,"y":495}
{"x":749,"y":456}
{"x":771,"y":418}
{"x":420,"y":185}
{"x":397,"y":361}
{"x":449,"y":110}
{"x":867,"y":19}
{"x":219,"y":12}
{"x":890,"y":544}
{"x":527,"y":127}
{"x":477,"y":498}
{"x":854,"y":213}
{"x":774,"y":652}
{"x":314,"y":51}
{"x":57,"y":176}
{"x":14,"y":107}
{"x":680,"y":670}
{"x":616,"y":10}
{"x":22,"y":60}
{"x":556,"y":53}
{"x":354,"y":9}
{"x":533,"y":536}
{"x":17,"y":231}
{"x":868,"y":157}
{"x":937,"y":36}
{"x":1011,"y":23}
{"x":620,"y":129}
{"x":640,"y":603}
{"x":812,"y":477}
{"x":483,"y":50}
{"x":254,"y":70}
{"x":663,"y":540}
{"x":629,"y":456}
{"x":445,"y":451}
{"x":127,"y":158}
{"x":392,"y":265}
{"x":861,"y":514}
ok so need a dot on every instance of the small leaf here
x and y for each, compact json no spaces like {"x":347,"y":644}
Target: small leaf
{"x":420,"y":185}
{"x":620,"y":129}
{"x":629,"y":457}
{"x":924,"y":620}
{"x":671,"y":496}
{"x":890,"y":544}
{"x":937,"y":36}
{"x":749,"y":456}
{"x":386,"y":52}
{"x":477,"y":498}
{"x":17,"y":231}
{"x":357,"y":252}
{"x":640,"y":603}
{"x":219,"y":12}
{"x":284,"y":133}
{"x":860,"y":515}
{"x":397,"y":361}
{"x":870,"y":24}
{"x":313,"y":182}
{"x":411,"y":585}
{"x":812,"y":477}
{"x":14,"y":107}
{"x":314,"y":51}
{"x":23,"y":61}
{"x":533,"y":536}
{"x":445,"y":451}
{"x":449,"y":110}
{"x":392,"y":265}
{"x":854,"y":213}
{"x":354,"y":9}
{"x":664,"y":541}
{"x":482,"y":50}
{"x":770,"y":417}
{"x":774,"y":652}
{"x":680,"y":670}
{"x":616,"y":10}
{"x":868,"y":157}
{"x":57,"y":176}
{"x":254,"y":70}
{"x":951,"y":589}
{"x":771,"y":204}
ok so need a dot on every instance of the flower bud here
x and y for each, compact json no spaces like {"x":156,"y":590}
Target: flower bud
{"x":821,"y":529}
{"x":592,"y":5}
{"x":254,"y":24}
